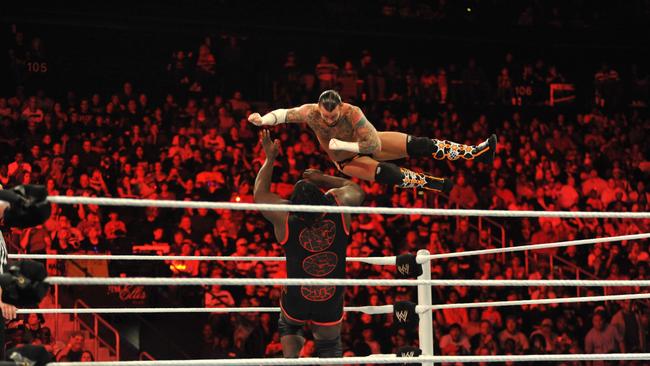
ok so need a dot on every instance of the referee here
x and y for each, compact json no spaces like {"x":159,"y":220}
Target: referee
{"x":21,"y":206}
{"x":8,"y":310}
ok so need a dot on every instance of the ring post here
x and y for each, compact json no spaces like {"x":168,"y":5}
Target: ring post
{"x":425,"y":328}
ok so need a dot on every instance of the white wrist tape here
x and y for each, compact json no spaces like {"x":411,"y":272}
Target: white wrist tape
{"x":336,"y":144}
{"x":275,"y":117}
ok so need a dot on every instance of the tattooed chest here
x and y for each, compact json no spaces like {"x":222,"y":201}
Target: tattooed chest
{"x":342,"y":130}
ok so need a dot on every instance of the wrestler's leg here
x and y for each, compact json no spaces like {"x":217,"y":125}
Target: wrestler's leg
{"x":397,"y":145}
{"x":367,"y":168}
{"x":291,"y":345}
{"x":327,"y":339}
{"x":291,"y":336}
{"x":393,"y":146}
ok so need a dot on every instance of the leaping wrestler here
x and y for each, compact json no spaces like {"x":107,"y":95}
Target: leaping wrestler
{"x":359,"y":151}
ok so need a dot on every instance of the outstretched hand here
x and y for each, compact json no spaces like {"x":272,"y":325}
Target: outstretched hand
{"x":255,"y":118}
{"x":271,"y":148}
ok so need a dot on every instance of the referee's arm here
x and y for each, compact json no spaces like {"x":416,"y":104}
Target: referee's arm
{"x":3,"y":207}
{"x":8,"y":310}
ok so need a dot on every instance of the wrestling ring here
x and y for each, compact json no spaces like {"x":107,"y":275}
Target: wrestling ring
{"x":423,"y":308}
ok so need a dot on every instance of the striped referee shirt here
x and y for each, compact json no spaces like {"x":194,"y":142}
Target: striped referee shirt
{"x":3,"y":253}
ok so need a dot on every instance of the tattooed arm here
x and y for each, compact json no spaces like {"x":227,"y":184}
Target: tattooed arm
{"x":275,"y":117}
{"x":368,"y":140}
{"x":298,"y":114}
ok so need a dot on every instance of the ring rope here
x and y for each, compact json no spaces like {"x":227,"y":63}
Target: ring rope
{"x":390,"y":260}
{"x":521,"y":248}
{"x":104,"y":201}
{"x":373,"y":359}
{"x":176,"y":281}
{"x":373,"y":310}
{"x":381,"y":309}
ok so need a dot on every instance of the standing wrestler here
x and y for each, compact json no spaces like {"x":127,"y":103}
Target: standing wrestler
{"x":315,"y":246}
{"x":358,"y":150}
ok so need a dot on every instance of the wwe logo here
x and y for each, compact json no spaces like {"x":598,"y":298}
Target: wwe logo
{"x":402,"y":316}
{"x":404,"y":269}
{"x":408,"y":354}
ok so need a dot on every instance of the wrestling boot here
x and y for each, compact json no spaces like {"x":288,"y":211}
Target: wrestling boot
{"x":483,"y":152}
{"x":411,"y":179}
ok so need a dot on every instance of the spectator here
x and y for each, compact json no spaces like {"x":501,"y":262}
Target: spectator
{"x":113,"y":225}
{"x":627,"y":324}
{"x":455,"y":343}
{"x":462,"y":194}
{"x":73,"y":351}
{"x":206,"y":61}
{"x":485,"y":340}
{"x":465,"y":238}
{"x":217,"y":297}
{"x":504,"y":193}
{"x":505,"y":91}
{"x":18,"y":167}
{"x":92,"y":243}
{"x":603,"y":338}
{"x":87,"y":356}
{"x":543,"y":337}
{"x":326,"y":72}
{"x":448,"y":317}
{"x":238,"y":104}
{"x":31,"y":113}
{"x":511,"y":333}
{"x":35,"y":240}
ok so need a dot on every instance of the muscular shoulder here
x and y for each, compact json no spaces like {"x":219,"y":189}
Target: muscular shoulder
{"x":304,"y":113}
{"x":308,"y":108}
{"x":310,"y":111}
{"x":352,"y":113}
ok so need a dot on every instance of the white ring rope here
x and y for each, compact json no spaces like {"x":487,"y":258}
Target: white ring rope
{"x":557,"y":300}
{"x":390,"y":260}
{"x":373,"y":310}
{"x":176,"y":281}
{"x":521,"y":248}
{"x":104,"y":201}
{"x":373,"y":359}
{"x":380,"y":309}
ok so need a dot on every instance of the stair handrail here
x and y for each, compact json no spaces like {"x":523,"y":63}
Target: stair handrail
{"x":97,"y":320}
{"x":144,"y":355}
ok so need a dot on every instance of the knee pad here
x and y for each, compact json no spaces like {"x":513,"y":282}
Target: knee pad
{"x":420,"y":146}
{"x":287,"y":328}
{"x":329,"y":347}
{"x":388,"y":173}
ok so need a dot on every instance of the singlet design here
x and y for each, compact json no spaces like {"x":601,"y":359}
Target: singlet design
{"x":317,"y":293}
{"x":318,"y":237}
{"x":320,"y":264}
{"x":316,"y":251}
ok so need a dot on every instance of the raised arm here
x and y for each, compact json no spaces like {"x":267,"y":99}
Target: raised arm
{"x":346,"y":191}
{"x":262,"y":191}
{"x":278,"y":116}
{"x":368,"y":141}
